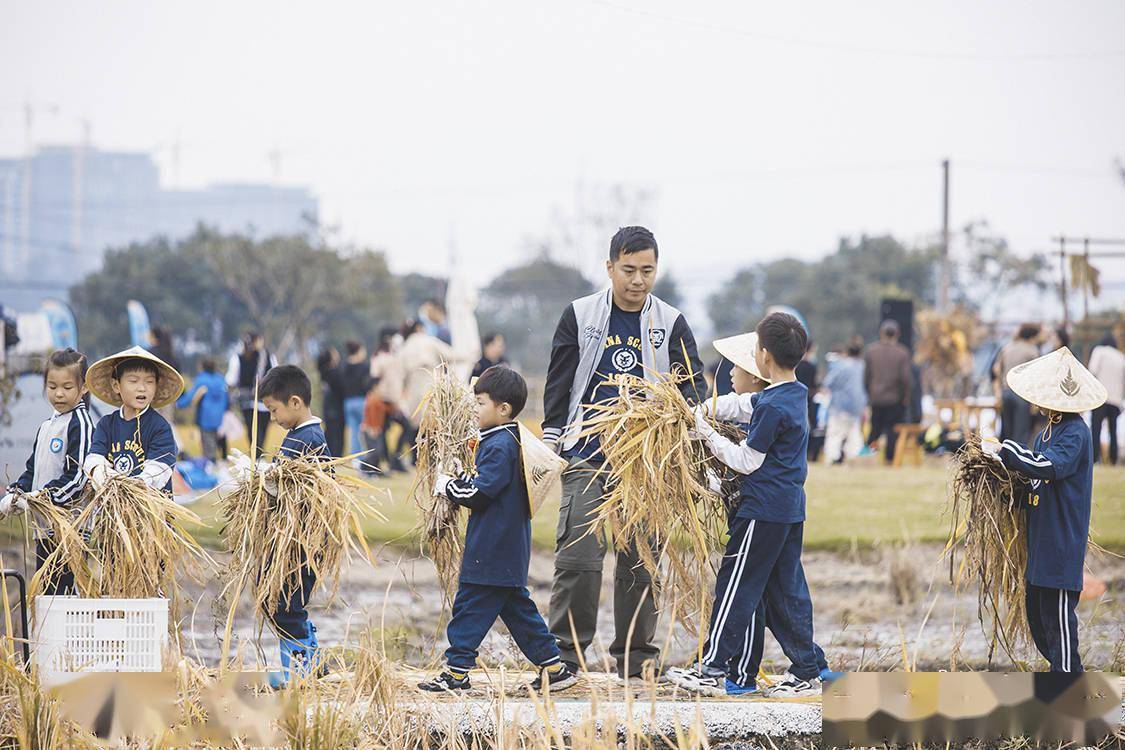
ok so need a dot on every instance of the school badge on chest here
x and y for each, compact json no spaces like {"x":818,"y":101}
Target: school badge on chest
{"x":123,"y":465}
{"x":56,"y":445}
{"x":656,"y":337}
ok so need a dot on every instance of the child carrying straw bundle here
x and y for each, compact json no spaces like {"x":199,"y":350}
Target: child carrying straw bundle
{"x":1058,"y":468}
{"x":290,"y":524}
{"x":137,"y":535}
{"x":445,"y":445}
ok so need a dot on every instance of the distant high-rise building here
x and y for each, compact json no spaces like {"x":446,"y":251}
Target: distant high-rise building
{"x":61,"y":209}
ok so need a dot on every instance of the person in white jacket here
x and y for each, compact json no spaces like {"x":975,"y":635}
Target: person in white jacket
{"x":1107,"y":363}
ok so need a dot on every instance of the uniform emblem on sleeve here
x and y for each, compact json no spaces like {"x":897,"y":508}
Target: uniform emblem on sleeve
{"x":1069,"y":385}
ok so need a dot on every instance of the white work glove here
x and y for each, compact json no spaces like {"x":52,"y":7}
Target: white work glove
{"x":703,"y":429}
{"x":100,"y":476}
{"x":11,"y":504}
{"x":242,"y":466}
{"x":714,"y":483}
{"x":441,"y":483}
{"x":454,"y":467}
{"x":991,"y":448}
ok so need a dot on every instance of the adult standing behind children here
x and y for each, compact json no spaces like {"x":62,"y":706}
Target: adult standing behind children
{"x":355,"y":380}
{"x":844,"y":383}
{"x":1107,"y":363}
{"x":622,"y":330}
{"x":887,"y":378}
{"x":245,"y":370}
{"x":209,"y":395}
{"x":1015,"y":413}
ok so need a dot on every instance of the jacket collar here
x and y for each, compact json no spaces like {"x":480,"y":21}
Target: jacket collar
{"x":307,"y":422}
{"x":607,"y":300}
{"x":499,"y":428}
{"x":121,"y":413}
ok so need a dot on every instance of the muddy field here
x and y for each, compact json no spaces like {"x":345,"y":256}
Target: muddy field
{"x":870,"y":607}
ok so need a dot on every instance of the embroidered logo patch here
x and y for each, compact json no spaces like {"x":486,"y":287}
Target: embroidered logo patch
{"x":1069,"y":385}
{"x":56,"y":445}
{"x":123,"y":465}
{"x":624,"y":360}
{"x":592,"y":332}
{"x":656,"y":337}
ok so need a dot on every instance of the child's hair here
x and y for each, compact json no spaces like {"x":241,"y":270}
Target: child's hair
{"x":784,"y":338}
{"x":285,"y":381}
{"x":352,"y":346}
{"x":207,"y":364}
{"x":62,"y":359}
{"x":503,"y":385}
{"x":135,"y":364}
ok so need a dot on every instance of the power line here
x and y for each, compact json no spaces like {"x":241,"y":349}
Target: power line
{"x":855,"y":49}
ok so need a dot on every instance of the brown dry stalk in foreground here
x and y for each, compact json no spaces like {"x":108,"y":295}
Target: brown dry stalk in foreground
{"x":656,"y":489}
{"x":70,"y":548}
{"x":445,"y":441}
{"x":988,"y":528}
{"x":316,"y":519}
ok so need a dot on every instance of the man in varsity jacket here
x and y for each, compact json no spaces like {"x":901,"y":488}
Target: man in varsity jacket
{"x":622,"y":330}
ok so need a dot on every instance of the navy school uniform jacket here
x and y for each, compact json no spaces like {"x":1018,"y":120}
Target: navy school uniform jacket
{"x":128,"y":443}
{"x":1061,"y":470}
{"x":778,"y":428}
{"x":306,"y":439}
{"x":498,"y":537}
{"x":61,"y":445}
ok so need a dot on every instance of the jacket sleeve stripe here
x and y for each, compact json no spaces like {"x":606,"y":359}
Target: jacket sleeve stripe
{"x":75,"y":453}
{"x":1026,"y":456}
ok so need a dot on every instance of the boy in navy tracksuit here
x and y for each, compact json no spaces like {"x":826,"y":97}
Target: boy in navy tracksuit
{"x":762,"y":562}
{"x":493,"y":579}
{"x":54,"y":468}
{"x":1060,"y":466}
{"x":286,"y":392}
{"x":134,"y":440}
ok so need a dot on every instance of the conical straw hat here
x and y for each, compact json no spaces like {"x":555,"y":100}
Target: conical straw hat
{"x":169,"y":385}
{"x":739,"y":350}
{"x":542,"y":469}
{"x":1058,"y":382}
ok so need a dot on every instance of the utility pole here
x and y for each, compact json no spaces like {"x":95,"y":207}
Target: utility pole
{"x":943,"y":299}
{"x":1062,"y":280}
{"x":1086,"y":278}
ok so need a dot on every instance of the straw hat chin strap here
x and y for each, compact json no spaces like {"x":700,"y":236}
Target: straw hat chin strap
{"x":1053,"y":418}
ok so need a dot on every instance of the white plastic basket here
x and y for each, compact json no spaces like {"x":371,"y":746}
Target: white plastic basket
{"x":72,"y":635}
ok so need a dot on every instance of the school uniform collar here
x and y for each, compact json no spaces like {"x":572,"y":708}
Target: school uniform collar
{"x":608,"y":301}
{"x":121,"y":414}
{"x":779,"y":384}
{"x":498,"y":428}
{"x":307,"y":422}
{"x":76,"y":407}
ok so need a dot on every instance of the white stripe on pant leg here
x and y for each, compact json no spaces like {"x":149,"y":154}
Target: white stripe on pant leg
{"x":728,"y":595}
{"x":1066,"y":620}
{"x":743,"y":677}
{"x":1062,"y":631}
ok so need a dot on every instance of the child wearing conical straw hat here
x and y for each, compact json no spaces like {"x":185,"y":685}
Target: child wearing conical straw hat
{"x":1060,"y":467}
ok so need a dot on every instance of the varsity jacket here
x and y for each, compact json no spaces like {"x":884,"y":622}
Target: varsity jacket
{"x":667,"y":345}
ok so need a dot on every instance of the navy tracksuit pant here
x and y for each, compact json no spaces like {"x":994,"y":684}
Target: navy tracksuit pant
{"x":761,"y":580}
{"x":291,"y":617}
{"x":475,"y":609}
{"x":1052,"y":616}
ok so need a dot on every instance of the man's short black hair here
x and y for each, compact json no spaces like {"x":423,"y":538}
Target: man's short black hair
{"x":135,"y":364}
{"x":352,"y":346}
{"x":285,"y":381}
{"x":632,"y":240}
{"x":784,"y":338}
{"x":503,"y":385}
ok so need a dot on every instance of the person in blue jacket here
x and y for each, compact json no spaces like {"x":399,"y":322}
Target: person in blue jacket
{"x":134,"y":440}
{"x":211,"y":390}
{"x":1059,"y":465}
{"x":493,"y":578}
{"x":286,"y":392}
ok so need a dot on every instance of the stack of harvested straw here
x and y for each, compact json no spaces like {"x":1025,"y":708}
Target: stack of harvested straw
{"x":656,"y":488}
{"x":316,"y":519}
{"x":137,"y":542}
{"x":989,"y":530}
{"x":445,"y":440}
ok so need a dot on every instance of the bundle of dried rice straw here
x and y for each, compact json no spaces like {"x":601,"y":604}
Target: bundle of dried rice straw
{"x":57,"y":522}
{"x":315,"y":519}
{"x":137,"y":542}
{"x":657,"y":488}
{"x":988,"y":529}
{"x":445,"y":442}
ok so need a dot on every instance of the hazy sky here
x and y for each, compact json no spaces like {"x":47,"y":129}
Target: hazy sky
{"x":767,"y":129}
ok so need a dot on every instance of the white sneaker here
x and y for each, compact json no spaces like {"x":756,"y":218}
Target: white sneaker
{"x":697,"y":681}
{"x":793,"y":687}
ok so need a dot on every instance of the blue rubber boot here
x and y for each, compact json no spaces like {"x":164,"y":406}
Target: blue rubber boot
{"x":733,"y":688}
{"x":300,"y":658}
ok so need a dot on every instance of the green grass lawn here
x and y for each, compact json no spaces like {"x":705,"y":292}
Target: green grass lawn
{"x":857,"y":505}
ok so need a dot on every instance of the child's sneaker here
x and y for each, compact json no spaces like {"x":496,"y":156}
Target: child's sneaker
{"x":699,"y":679}
{"x":733,"y":688}
{"x":793,"y":687}
{"x":445,"y":683}
{"x":559,"y":678}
